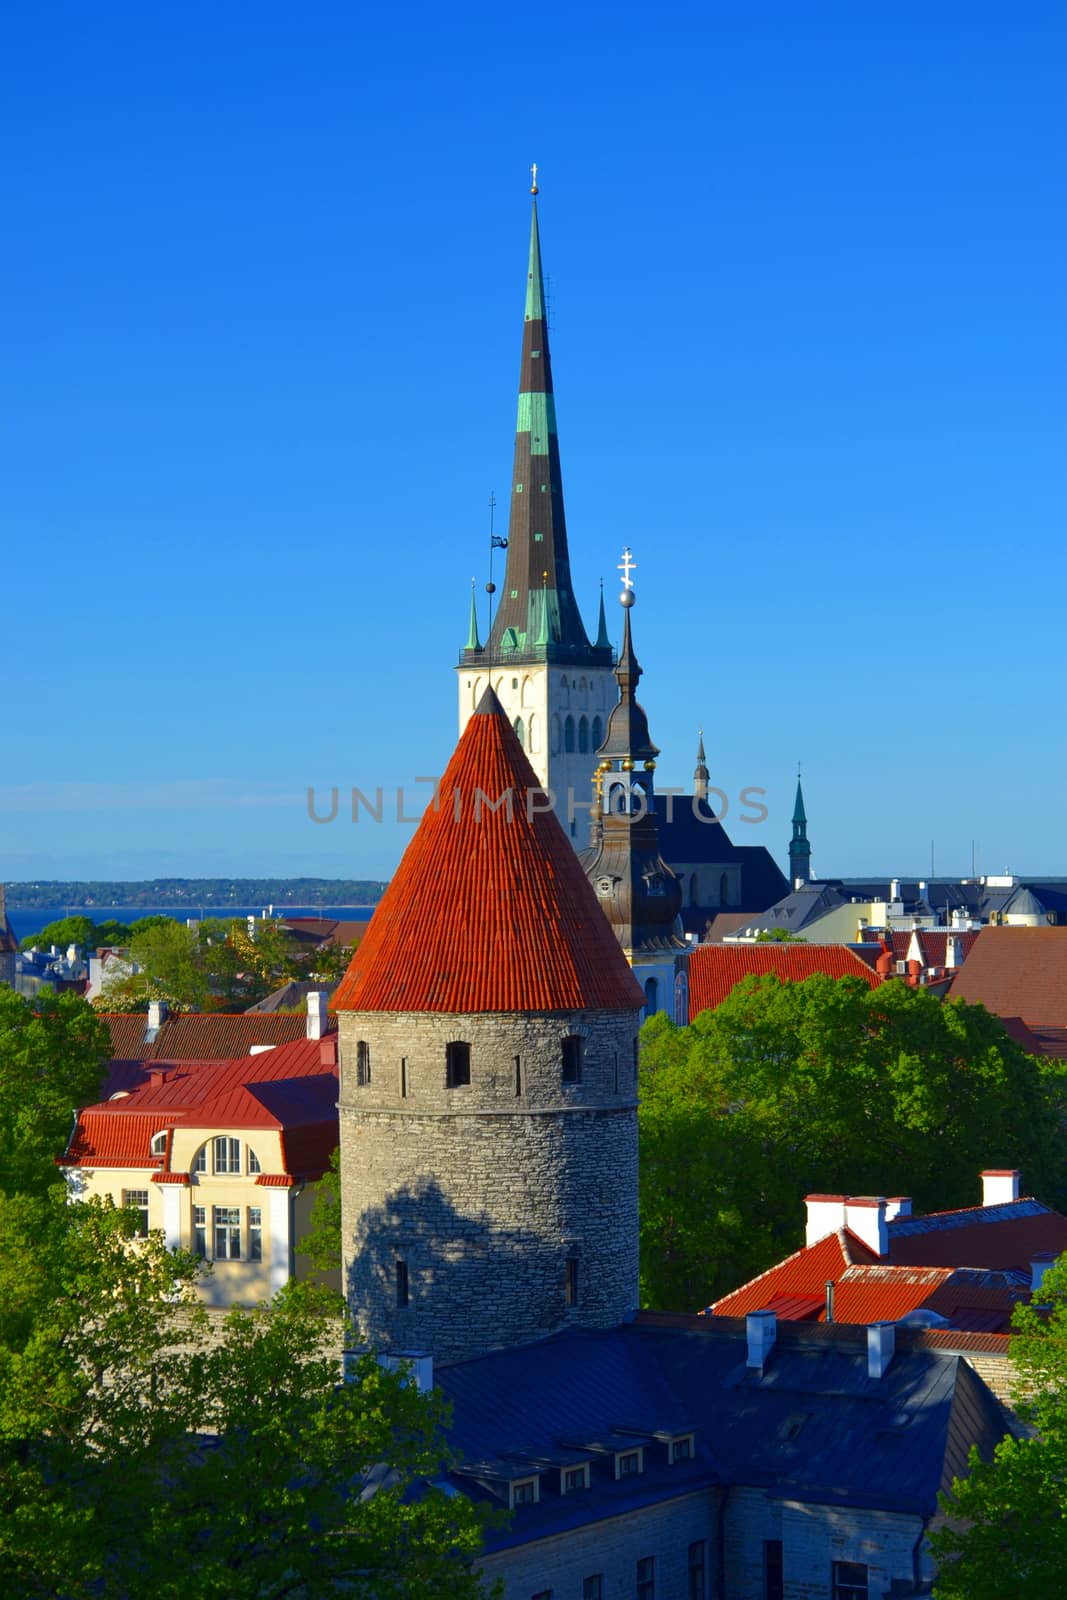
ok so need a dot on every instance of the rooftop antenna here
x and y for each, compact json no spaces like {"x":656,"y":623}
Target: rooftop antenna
{"x":495,"y":543}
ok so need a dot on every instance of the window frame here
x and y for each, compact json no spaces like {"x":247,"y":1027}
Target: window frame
{"x":842,"y":1588}
{"x":593,"y":1593}
{"x":572,"y":1057}
{"x":645,"y":1578}
{"x":255,"y":1233}
{"x":631,"y":1453}
{"x":158,"y":1143}
{"x":676,"y":1453}
{"x":223,"y":1226}
{"x":566,"y":1473}
{"x":696,"y":1570}
{"x":402,"y":1283}
{"x":230,"y":1166}
{"x":137,"y":1200}
{"x":199,"y":1232}
{"x":363,"y":1065}
{"x":773,"y":1569}
{"x":517,"y":1484}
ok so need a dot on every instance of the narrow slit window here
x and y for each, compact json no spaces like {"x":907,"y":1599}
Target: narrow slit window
{"x":572,"y":1058}
{"x":518,"y":1076}
{"x":362,"y":1063}
{"x":403,"y":1077}
{"x":570,"y":1282}
{"x":255,"y":1233}
{"x":403,"y":1293}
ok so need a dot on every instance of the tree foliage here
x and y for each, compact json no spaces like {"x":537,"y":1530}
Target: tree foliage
{"x":194,"y":968}
{"x":52,"y":1055}
{"x":322,"y":1242}
{"x":1006,"y":1528}
{"x":822,"y":1085}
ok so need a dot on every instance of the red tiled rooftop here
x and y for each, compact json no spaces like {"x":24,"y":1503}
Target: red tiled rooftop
{"x":197,"y":1036}
{"x":716,"y":969}
{"x":1018,"y":972}
{"x":490,"y":912}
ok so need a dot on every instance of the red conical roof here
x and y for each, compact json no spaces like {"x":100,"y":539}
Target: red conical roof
{"x":488,"y":911}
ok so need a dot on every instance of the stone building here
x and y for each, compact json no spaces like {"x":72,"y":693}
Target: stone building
{"x":8,"y":945}
{"x":488,"y":1067}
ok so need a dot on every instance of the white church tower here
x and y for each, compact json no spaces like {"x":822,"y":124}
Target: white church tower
{"x":557,"y":689}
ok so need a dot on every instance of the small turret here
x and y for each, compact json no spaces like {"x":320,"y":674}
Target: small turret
{"x":700,"y":772}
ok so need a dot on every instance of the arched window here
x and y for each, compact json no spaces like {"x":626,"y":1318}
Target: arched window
{"x":598,"y":733}
{"x":572,"y":1050}
{"x":568,"y":736}
{"x":681,"y":1001}
{"x":520,"y":731}
{"x":531,"y":735}
{"x":158,"y":1146}
{"x":457,"y":1064}
{"x":651,"y":996}
{"x":724,"y":890}
{"x":583,"y":735}
{"x":362,"y":1063}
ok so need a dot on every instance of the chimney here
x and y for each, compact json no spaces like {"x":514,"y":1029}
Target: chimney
{"x":316,"y":1013}
{"x":328,"y":1050}
{"x":894,"y":888}
{"x":898,"y":1205}
{"x":865,"y":1216}
{"x":157,"y":1011}
{"x":826,"y":1213}
{"x":761,"y":1328}
{"x":1039,"y":1265}
{"x":829,"y":1300}
{"x":157,"y":1076}
{"x":952,"y":951}
{"x":1000,"y":1185}
{"x":881,"y":1344}
{"x":417,"y":1366}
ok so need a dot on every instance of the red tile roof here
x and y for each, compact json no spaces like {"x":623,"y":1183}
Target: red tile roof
{"x":715,"y":969}
{"x":291,"y":1089}
{"x":489,"y":909}
{"x":869,"y":1290}
{"x":197,"y":1036}
{"x":1018,"y":972}
{"x":932,"y":943}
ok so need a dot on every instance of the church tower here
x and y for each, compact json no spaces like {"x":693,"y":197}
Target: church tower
{"x":555,"y":686}
{"x":799,"y":847}
{"x":639,"y":893}
{"x":8,"y":944}
{"x":488,"y":1095}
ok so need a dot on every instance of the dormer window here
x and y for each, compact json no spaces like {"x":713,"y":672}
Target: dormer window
{"x":628,"y":1463}
{"x":681,"y":1449}
{"x":525,"y":1492}
{"x":159,"y":1143}
{"x":457,"y":1064}
{"x":572,"y":1050}
{"x":574,"y":1478}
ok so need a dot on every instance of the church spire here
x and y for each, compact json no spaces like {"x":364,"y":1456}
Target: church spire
{"x":538,"y":618}
{"x":473,"y":641}
{"x":799,"y":846}
{"x":700,"y":771}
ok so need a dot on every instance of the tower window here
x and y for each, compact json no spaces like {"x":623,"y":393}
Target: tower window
{"x":520,"y":731}
{"x":362,"y":1063}
{"x":568,"y":736}
{"x":539,"y":538}
{"x":651,"y":996}
{"x":514,"y":683}
{"x":572,"y":1058}
{"x":570,"y":1282}
{"x":457,"y":1064}
{"x":616,"y":1072}
{"x":402,"y":1292}
{"x":403,"y":1077}
{"x":583,"y":735}
{"x":598,"y":733}
{"x":518,"y":1075}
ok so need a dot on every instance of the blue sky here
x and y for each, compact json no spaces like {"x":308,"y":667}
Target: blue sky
{"x":263,"y":288}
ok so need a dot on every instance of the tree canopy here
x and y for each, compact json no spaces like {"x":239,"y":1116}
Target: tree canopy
{"x":53,"y":1050}
{"x":788,"y":1088}
{"x":1006,"y":1531}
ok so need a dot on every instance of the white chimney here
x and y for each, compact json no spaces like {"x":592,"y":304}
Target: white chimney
{"x":761,"y":1330}
{"x":1000,"y":1185}
{"x":157,"y":1011}
{"x":316,"y":1013}
{"x":416,"y":1364}
{"x":865,"y":1216}
{"x":894,"y":888}
{"x":952,"y":951}
{"x":1039,"y":1265}
{"x":898,"y":1205}
{"x":881,"y":1345}
{"x":826,"y":1213}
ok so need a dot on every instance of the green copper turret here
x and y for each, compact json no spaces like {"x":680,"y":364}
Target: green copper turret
{"x":799,"y":847}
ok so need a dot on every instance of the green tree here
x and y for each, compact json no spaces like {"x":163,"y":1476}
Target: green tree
{"x":822,"y":1085}
{"x":79,"y":930}
{"x":1006,"y":1532}
{"x":322,"y":1242}
{"x":53,"y":1050}
{"x":141,"y":1455}
{"x":169,"y":966}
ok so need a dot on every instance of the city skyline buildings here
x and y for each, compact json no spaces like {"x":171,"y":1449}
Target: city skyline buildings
{"x":808,"y":343}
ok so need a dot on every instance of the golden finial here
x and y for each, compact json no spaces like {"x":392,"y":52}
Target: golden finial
{"x":533,"y":174}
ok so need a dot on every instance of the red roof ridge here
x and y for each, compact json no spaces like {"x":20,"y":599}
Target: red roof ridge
{"x":489,"y":910}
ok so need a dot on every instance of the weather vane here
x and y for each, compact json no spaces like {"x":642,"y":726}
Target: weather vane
{"x":626,"y":566}
{"x":533,"y":174}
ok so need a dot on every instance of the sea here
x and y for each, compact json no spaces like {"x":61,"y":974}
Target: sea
{"x":23,"y":923}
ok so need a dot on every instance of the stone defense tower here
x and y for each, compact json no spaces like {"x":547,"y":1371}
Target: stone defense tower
{"x":488,"y":1045}
{"x":799,"y":846}
{"x":639,"y":893}
{"x":555,"y":686}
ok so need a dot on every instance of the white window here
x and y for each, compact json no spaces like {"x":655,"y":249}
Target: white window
{"x":227,"y":1154}
{"x":682,"y":1449}
{"x":628,"y":1464}
{"x":255,"y":1233}
{"x":200,"y":1159}
{"x":159,"y":1143}
{"x":137,"y":1200}
{"x":227,"y":1233}
{"x":575,"y":1478}
{"x":253,"y":1160}
{"x":525,"y":1492}
{"x":200,"y":1231}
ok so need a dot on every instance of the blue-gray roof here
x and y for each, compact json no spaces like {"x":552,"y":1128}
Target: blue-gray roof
{"x":812,"y":1426}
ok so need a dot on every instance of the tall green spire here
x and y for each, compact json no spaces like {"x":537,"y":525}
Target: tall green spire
{"x":535,"y":287}
{"x":799,"y":846}
{"x":473,"y":641}
{"x":798,"y":809}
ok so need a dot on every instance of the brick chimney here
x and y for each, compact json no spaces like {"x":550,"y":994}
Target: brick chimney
{"x":1000,"y":1185}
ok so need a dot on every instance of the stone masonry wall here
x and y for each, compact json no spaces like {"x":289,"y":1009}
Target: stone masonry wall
{"x":813,"y":1538}
{"x":483,"y":1193}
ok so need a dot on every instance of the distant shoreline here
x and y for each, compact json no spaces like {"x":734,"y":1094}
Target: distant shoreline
{"x":192,"y":894}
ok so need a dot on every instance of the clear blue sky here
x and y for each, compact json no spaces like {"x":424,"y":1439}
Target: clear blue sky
{"x":262,"y":285}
